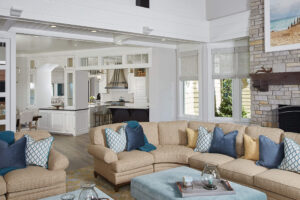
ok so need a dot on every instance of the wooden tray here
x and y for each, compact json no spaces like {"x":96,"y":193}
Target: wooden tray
{"x":197,"y":189}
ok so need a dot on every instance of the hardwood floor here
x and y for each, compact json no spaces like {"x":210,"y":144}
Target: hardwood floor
{"x":75,"y":148}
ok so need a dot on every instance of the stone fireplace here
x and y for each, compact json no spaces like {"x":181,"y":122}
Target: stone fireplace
{"x":265,"y":104}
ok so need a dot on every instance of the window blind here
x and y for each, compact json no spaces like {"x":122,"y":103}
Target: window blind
{"x":230,"y":62}
{"x":188,"y":65}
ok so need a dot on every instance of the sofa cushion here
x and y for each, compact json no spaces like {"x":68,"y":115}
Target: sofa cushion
{"x":294,"y":136}
{"x":33,"y":177}
{"x":196,"y":124}
{"x":241,"y":171}
{"x":224,"y":143}
{"x":97,"y":134}
{"x":129,"y":160}
{"x":2,"y":186}
{"x":151,"y":131}
{"x":172,"y":132}
{"x":199,"y":160}
{"x":270,"y":153}
{"x":291,"y":160}
{"x":272,"y":133}
{"x":135,"y":137}
{"x":172,"y":154}
{"x":228,"y":127}
{"x":192,"y":136}
{"x":279,"y":181}
{"x":35,"y":134}
{"x":251,"y":148}
{"x":204,"y":140}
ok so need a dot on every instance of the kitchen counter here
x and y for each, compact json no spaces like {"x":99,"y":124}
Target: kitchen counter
{"x":128,"y":107}
{"x":61,"y":109}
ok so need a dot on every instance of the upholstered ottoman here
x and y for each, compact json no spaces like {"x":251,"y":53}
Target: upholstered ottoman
{"x":161,"y":185}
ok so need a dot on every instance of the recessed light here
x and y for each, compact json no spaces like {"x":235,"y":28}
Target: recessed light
{"x":53,"y":26}
{"x":93,"y":31}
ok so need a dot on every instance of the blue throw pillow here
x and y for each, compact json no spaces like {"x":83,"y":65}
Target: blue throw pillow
{"x":270,"y":153}
{"x":7,"y":136}
{"x":133,"y":124}
{"x":12,"y":156}
{"x":116,"y":141}
{"x":224,"y":144}
{"x":291,"y":160}
{"x":135,"y":137}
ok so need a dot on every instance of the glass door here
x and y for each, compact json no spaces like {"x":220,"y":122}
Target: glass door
{"x":4,"y":86}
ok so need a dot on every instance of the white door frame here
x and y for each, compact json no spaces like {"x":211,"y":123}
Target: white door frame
{"x":10,"y":81}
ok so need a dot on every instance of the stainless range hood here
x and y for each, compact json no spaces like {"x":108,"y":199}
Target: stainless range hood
{"x":118,"y":80}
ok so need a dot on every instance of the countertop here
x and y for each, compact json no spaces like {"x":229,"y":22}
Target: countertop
{"x":129,"y":107}
{"x":62,"y":109}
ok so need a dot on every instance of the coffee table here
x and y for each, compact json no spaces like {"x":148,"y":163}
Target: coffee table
{"x":161,"y":185}
{"x":77,"y":192}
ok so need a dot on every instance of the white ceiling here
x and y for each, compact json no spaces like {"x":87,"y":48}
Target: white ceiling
{"x":28,"y":44}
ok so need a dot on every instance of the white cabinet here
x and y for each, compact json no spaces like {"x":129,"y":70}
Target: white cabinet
{"x":64,"y":121}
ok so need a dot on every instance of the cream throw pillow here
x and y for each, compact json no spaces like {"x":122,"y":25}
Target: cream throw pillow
{"x":192,"y":136}
{"x":251,"y":148}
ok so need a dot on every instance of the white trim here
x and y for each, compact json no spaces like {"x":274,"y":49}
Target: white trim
{"x":268,"y":46}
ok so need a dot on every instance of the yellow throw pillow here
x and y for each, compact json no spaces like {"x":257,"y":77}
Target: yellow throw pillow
{"x":192,"y":137}
{"x":251,"y":148}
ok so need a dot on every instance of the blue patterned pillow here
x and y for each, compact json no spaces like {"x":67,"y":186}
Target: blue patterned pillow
{"x":291,"y":161}
{"x":116,"y":141}
{"x":204,"y":140}
{"x":37,"y":152}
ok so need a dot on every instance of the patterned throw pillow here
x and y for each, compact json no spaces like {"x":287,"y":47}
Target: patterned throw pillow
{"x":37,"y":152}
{"x":116,"y":141}
{"x":204,"y":140}
{"x":291,"y":161}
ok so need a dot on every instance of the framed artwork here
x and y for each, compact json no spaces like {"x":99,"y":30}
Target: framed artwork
{"x":282,"y":25}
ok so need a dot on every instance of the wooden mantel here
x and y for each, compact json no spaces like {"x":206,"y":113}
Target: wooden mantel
{"x":263,"y":80}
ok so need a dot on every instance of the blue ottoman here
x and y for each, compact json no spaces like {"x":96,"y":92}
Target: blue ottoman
{"x":161,"y":185}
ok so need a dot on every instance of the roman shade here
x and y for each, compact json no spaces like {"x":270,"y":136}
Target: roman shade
{"x":188,"y":65}
{"x":230,"y":62}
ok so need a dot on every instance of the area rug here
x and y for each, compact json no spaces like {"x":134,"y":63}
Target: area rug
{"x":75,"y":178}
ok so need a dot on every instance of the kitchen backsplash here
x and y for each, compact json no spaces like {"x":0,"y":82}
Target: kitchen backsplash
{"x":115,"y":96}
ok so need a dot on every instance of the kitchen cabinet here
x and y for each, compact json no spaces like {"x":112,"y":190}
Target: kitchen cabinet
{"x":69,"y":122}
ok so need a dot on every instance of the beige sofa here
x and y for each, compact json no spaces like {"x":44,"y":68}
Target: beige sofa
{"x":35,"y":182}
{"x":171,"y":140}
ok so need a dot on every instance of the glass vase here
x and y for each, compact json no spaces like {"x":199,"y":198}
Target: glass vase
{"x":88,"y":192}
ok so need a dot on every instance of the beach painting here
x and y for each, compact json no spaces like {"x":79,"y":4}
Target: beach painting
{"x":282,"y":25}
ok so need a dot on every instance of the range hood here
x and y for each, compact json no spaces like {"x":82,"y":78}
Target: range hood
{"x":118,"y":80}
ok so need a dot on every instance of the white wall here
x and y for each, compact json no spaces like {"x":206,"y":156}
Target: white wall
{"x":169,"y":18}
{"x":22,"y":82}
{"x":221,"y":8}
{"x":43,"y":87}
{"x":162,"y":85}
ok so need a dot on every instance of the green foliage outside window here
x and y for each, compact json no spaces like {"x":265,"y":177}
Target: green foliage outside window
{"x":225,"y":109}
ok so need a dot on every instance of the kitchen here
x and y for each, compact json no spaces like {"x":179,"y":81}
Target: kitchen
{"x":76,"y":88}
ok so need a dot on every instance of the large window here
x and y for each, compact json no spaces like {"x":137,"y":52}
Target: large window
{"x":232,"y":97}
{"x":188,"y":75}
{"x":191,"y":97}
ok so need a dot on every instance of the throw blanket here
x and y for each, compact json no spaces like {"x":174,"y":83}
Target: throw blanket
{"x":148,"y":146}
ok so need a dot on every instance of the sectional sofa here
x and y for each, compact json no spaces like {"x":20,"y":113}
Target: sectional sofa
{"x":171,"y":140}
{"x":35,"y":182}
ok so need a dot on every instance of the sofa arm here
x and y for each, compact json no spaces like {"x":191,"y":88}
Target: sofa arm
{"x":102,"y":153}
{"x":57,"y":161}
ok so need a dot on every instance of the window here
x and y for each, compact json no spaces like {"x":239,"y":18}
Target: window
{"x":191,"y":97}
{"x":232,"y":96}
{"x":188,"y":77}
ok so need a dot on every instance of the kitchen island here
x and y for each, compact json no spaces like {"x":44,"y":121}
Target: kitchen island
{"x":64,"y":121}
{"x":129,"y":112}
